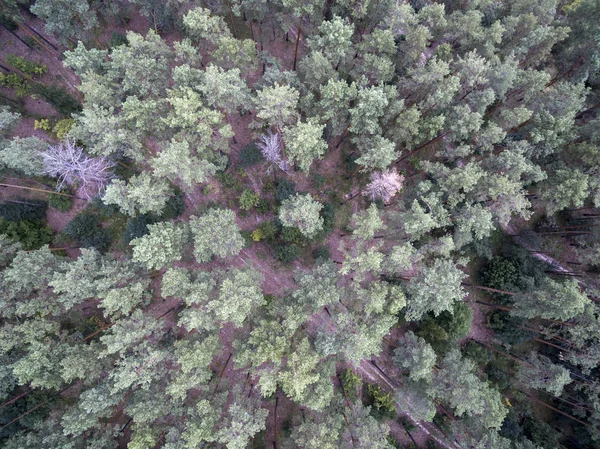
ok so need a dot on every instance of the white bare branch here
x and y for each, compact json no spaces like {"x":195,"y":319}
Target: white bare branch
{"x":384,"y":185}
{"x":271,"y":146}
{"x":70,"y":165}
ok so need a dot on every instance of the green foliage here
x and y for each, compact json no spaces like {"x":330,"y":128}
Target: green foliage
{"x":57,"y":97}
{"x":16,"y":82}
{"x":43,"y":123}
{"x":215,"y":234}
{"x":248,"y":199}
{"x":384,"y":402}
{"x":250,"y":155}
{"x":501,"y":274}
{"x":321,"y":253}
{"x":287,"y":252}
{"x":27,"y":67}
{"x":62,"y":128}
{"x":162,"y":245}
{"x":117,"y":39}
{"x":284,"y":189}
{"x":24,"y":209}
{"x":174,"y":206}
{"x":136,"y":227}
{"x":29,"y":235}
{"x":61,"y":202}
{"x":351,"y":383}
{"x":86,"y":229}
{"x":302,"y":212}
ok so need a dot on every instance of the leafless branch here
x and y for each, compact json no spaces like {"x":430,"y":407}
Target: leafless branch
{"x":384,"y":185}
{"x":70,"y":165}
{"x":271,"y":146}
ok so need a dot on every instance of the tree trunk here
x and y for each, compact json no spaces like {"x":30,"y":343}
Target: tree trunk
{"x":297,"y":43}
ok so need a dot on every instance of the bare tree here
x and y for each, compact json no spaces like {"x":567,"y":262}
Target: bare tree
{"x":70,"y":165}
{"x":384,"y":185}
{"x":271,"y":146}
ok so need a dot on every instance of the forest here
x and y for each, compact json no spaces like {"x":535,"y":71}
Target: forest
{"x":300,"y":224}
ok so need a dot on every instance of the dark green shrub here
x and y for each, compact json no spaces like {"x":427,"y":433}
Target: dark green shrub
{"x":105,"y":211}
{"x":287,"y":253}
{"x":24,"y":209}
{"x":264,"y":206}
{"x":57,"y":97}
{"x":32,"y":235}
{"x":317,"y":180}
{"x":284,"y":189}
{"x":87,"y":231}
{"x":117,"y":39}
{"x":500,"y":273}
{"x":321,"y":253}
{"x":292,"y":235}
{"x":328,"y":215}
{"x":268,"y":230}
{"x":228,"y":180}
{"x":174,"y":207}
{"x":250,"y":155}
{"x":60,"y":202}
{"x":136,"y":227}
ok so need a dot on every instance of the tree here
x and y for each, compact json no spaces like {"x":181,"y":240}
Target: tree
{"x":140,"y":194}
{"x":215,"y":234}
{"x":321,"y":433}
{"x":384,"y":185}
{"x":163,"y":245}
{"x":65,"y":20}
{"x":177,"y":161}
{"x":302,"y":212}
{"x":271,"y":147}
{"x":540,"y":373}
{"x":367,"y":223}
{"x":376,"y":153}
{"x":434,"y":289}
{"x":23,"y":154}
{"x":362,"y":430}
{"x":304,"y":143}
{"x":276,"y":105}
{"x":570,"y":189}
{"x":239,"y":294}
{"x":454,"y":382}
{"x":243,"y":420}
{"x":67,"y":162}
{"x":416,"y":355}
{"x":334,"y":40}
{"x":553,"y":300}
{"x":225,"y":89}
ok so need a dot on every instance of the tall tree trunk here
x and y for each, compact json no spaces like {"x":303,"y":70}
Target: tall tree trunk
{"x":297,"y":43}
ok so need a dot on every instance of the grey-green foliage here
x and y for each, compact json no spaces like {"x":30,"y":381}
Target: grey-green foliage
{"x":243,"y":420}
{"x":552,"y":300}
{"x":302,"y":212}
{"x":163,"y":245}
{"x":363,"y":431}
{"x":538,"y":372}
{"x":140,"y":194}
{"x":304,"y":143}
{"x":215,"y":233}
{"x":416,"y":355}
{"x":23,"y":154}
{"x":434,"y":289}
{"x":455,"y":382}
